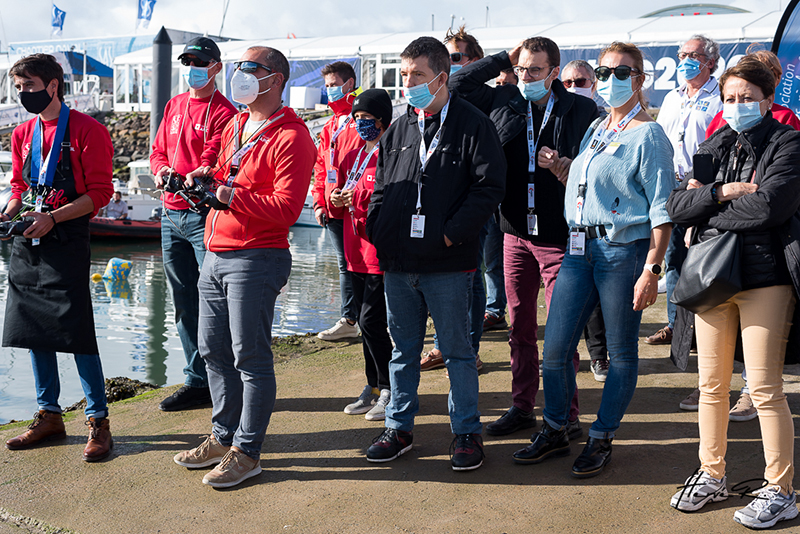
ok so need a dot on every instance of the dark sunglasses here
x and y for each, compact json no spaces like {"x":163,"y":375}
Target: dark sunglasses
{"x":250,"y":66}
{"x":193,"y":61}
{"x":577,"y":82}
{"x":455,"y":57}
{"x":621,"y":72}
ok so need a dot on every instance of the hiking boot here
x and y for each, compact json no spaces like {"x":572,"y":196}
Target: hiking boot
{"x":466,"y":452}
{"x":691,"y":403}
{"x":493,"y":322}
{"x":235,"y":468}
{"x":184,"y":398}
{"x":363,"y":403}
{"x":699,"y":489}
{"x":744,"y":409}
{"x":378,"y":412}
{"x":100,"y":443}
{"x":46,"y":426}
{"x":431,"y":360}
{"x":511,"y":421}
{"x":769,"y":507}
{"x":341,"y":330}
{"x":599,"y":369}
{"x":389,"y":445}
{"x":549,"y":442}
{"x":662,"y":337}
{"x":208,"y":453}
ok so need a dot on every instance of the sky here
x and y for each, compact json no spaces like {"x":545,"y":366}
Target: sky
{"x":260,"y":19}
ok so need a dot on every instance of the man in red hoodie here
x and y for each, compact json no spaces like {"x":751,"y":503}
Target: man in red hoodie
{"x":188,"y":138}
{"x":337,"y":139}
{"x":265,"y":168}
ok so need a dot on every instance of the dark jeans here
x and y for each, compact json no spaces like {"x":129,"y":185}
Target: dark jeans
{"x":595,"y":335}
{"x":336,"y":234}
{"x":674,"y":258}
{"x":370,"y":300}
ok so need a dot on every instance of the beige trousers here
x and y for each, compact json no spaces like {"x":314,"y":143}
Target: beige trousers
{"x":765,"y":315}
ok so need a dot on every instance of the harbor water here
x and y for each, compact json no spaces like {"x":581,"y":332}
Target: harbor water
{"x":135,"y":322}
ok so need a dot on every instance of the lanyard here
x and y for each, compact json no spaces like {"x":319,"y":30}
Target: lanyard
{"x":239,"y":153}
{"x":356,"y":172}
{"x":336,"y":134}
{"x":600,"y":140}
{"x":533,"y":138}
{"x":686,"y":110}
{"x":183,"y":120}
{"x":424,"y":155}
{"x":43,"y":170}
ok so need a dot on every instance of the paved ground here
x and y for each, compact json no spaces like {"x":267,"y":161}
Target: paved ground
{"x":316,"y":479}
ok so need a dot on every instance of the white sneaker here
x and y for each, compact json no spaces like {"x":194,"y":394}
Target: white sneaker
{"x":377,"y":413}
{"x":699,"y":489}
{"x":662,"y":284}
{"x":363,"y":403}
{"x":341,"y":330}
{"x":769,"y":507}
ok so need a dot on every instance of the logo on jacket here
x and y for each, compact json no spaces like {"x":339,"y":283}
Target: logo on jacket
{"x":175,"y":125}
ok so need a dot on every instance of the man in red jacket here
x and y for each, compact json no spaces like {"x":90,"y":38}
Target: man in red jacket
{"x":188,"y":138}
{"x":337,"y":139}
{"x":265,"y":168}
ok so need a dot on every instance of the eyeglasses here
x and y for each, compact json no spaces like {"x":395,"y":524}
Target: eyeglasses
{"x":197,"y":62}
{"x":250,"y":66}
{"x":456,"y":57}
{"x":533,"y":72}
{"x":577,"y":82}
{"x":693,"y":55}
{"x":621,"y":72}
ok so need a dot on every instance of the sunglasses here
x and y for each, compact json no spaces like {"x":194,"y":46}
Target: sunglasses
{"x":621,"y":72}
{"x":250,"y":67}
{"x":577,"y":82}
{"x":193,"y":61}
{"x":456,"y":57}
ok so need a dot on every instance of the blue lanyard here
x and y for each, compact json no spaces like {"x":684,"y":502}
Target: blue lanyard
{"x":52,"y":158}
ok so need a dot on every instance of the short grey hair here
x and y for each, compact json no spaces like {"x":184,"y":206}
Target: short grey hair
{"x":579,"y":64}
{"x":710,"y":46}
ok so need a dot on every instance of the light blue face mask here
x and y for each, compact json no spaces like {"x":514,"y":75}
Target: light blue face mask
{"x":455,"y":68}
{"x":534,"y":91}
{"x":197,"y":77}
{"x":420,"y":96}
{"x":689,"y":68}
{"x":615,"y":91}
{"x":740,"y":117}
{"x":335,"y":93}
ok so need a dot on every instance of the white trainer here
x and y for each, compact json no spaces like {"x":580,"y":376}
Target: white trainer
{"x":378,"y":412}
{"x":363,"y":403}
{"x":699,"y":489}
{"x":341,"y":330}
{"x":769,"y":507}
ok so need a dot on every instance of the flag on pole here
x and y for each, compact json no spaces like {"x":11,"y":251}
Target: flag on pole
{"x":145,"y":13}
{"x":57,"y":21}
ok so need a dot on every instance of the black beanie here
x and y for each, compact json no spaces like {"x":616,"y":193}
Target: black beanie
{"x":377,"y":103}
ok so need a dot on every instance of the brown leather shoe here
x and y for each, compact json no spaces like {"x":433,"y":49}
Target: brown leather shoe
{"x":662,"y":337}
{"x":46,"y":426}
{"x":100,"y":442}
{"x":431,"y":360}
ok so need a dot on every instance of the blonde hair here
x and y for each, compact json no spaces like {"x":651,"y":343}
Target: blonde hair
{"x":638,"y":62}
{"x":769,"y":59}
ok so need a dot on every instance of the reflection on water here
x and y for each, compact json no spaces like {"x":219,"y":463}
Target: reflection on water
{"x":135,"y":321}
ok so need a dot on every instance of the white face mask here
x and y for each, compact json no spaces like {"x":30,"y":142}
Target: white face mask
{"x":583,"y":91}
{"x":244,"y":87}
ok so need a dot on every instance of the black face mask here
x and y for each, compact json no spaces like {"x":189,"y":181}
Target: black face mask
{"x":35,"y":102}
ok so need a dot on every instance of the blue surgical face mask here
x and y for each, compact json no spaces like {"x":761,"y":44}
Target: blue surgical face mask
{"x":740,"y":117}
{"x":197,"y":77}
{"x":335,"y":93}
{"x":367,"y":130}
{"x":455,"y":68}
{"x":615,"y":91}
{"x":689,"y":68}
{"x":420,"y":96}
{"x":534,"y":91}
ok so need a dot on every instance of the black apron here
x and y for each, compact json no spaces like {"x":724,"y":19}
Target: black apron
{"x":49,"y":305}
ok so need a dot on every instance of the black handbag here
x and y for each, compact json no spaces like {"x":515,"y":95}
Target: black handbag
{"x":711,"y":273}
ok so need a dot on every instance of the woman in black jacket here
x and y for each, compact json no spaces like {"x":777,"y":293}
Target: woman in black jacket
{"x":753,"y":190}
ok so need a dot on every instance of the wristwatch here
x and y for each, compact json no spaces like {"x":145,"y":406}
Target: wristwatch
{"x":653,"y":268}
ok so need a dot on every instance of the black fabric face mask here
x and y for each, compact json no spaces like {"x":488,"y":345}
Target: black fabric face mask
{"x":35,"y":102}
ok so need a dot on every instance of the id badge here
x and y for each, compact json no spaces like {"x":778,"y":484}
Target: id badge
{"x":577,"y":243}
{"x":531,"y":197}
{"x":612,"y":147}
{"x":331,"y":176}
{"x":533,"y":224}
{"x":39,"y":202}
{"x":418,"y":226}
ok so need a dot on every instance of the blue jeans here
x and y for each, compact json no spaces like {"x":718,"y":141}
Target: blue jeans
{"x":674,"y":258}
{"x":606,"y":274}
{"x":493,"y":259}
{"x":409,"y":296}
{"x":183,"y":251}
{"x":238,"y":290}
{"x":48,"y":385}
{"x":336,"y":234}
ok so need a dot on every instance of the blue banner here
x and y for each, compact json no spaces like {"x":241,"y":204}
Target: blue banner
{"x":145,"y":13}
{"x":786,"y":46}
{"x":57,"y":20}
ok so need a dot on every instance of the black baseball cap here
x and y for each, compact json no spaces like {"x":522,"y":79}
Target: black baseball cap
{"x":202,"y":48}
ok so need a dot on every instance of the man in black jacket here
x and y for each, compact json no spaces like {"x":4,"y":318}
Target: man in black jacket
{"x":540,"y":125}
{"x":439,"y":177}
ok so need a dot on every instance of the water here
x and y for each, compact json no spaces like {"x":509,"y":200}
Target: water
{"x":136,"y":330}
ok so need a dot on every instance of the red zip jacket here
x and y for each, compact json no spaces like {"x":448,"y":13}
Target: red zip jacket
{"x":194,"y":145}
{"x":270,"y":188}
{"x":91,"y":153}
{"x":361,"y":256}
{"x":347,"y":141}
{"x":780,"y":113}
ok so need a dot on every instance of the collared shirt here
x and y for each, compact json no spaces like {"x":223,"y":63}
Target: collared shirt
{"x":115,"y":209}
{"x":685,"y":120}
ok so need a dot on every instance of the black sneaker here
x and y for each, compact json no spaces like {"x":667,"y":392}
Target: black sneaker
{"x":466,"y":452}
{"x":389,"y":445}
{"x":184,"y":398}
